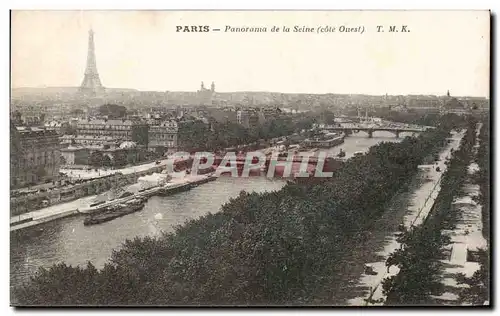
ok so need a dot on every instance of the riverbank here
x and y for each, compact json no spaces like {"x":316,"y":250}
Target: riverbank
{"x":78,"y":187}
{"x":81,"y":205}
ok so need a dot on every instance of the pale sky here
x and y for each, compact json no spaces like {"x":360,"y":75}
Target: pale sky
{"x":445,"y":50}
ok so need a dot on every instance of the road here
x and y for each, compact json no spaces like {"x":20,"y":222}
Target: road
{"x":422,"y":202}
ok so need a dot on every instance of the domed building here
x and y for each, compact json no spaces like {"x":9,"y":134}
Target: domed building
{"x":453,"y":104}
{"x":128,"y":145}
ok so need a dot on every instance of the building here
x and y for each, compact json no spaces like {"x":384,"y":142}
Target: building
{"x":58,"y":126}
{"x":30,"y":115}
{"x":34,"y":156}
{"x":399,"y":108}
{"x":205,"y":96}
{"x":163,"y":136}
{"x":75,"y":156}
{"x":422,"y":102}
{"x":270,"y":112}
{"x":476,"y":104}
{"x":89,"y":141}
{"x":222,"y":115}
{"x":453,"y":105}
{"x":114,"y":130}
{"x":107,"y":155}
{"x":249,"y":118}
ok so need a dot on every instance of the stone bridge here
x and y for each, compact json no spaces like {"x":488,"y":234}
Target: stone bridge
{"x":371,"y":129}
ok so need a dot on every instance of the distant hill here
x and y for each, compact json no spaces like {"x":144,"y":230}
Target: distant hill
{"x":43,"y":90}
{"x":47,"y":91}
{"x":61,"y":89}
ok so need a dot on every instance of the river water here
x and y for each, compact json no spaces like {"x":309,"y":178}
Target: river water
{"x":68,"y":240}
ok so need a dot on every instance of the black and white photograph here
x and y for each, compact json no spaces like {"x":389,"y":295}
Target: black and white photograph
{"x":250,"y":158}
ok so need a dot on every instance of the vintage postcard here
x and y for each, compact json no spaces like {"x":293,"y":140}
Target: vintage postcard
{"x":250,"y":158}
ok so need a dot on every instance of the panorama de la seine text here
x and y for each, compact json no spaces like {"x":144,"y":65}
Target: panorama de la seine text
{"x":359,"y":29}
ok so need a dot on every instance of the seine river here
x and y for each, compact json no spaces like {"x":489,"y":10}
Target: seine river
{"x":68,"y":240}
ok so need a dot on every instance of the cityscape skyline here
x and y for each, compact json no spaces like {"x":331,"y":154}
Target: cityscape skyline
{"x":365,"y":67}
{"x":235,"y":165}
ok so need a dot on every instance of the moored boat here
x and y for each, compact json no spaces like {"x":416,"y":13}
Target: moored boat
{"x":115,"y":211}
{"x":147,"y":193}
{"x":204,"y":180}
{"x":326,"y":141}
{"x":175,"y":188}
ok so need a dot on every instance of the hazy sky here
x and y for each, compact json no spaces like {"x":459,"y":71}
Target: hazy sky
{"x":142,"y":50}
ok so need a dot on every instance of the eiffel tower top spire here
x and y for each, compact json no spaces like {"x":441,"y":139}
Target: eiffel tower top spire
{"x":91,"y":64}
{"x":91,"y":84}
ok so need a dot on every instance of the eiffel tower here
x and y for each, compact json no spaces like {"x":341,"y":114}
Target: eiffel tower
{"x":91,"y":84}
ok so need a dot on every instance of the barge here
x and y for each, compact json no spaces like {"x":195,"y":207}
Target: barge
{"x":207,"y":179}
{"x":326,"y":141}
{"x":115,"y":211}
{"x":175,"y":188}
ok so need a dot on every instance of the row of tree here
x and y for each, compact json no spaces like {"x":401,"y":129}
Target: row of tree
{"x":120,"y":158}
{"x":112,"y":111}
{"x":483,"y":176}
{"x":216,"y":136}
{"x":284,"y":247}
{"x":422,"y":248}
{"x":477,"y":290}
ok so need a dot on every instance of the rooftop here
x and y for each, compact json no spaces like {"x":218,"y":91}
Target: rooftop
{"x":25,"y":131}
{"x":109,"y":122}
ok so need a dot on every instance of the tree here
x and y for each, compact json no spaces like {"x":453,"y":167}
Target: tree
{"x":77,"y":112}
{"x":69,"y":130}
{"x":483,"y":176}
{"x":17,"y":116}
{"x":120,"y":158}
{"x":40,"y":172}
{"x":96,"y":159}
{"x":193,"y":135}
{"x":132,"y":112}
{"x":131,"y":159}
{"x":113,"y":111}
{"x":327,"y":117}
{"x":477,"y":291}
{"x":160,"y":151}
{"x":478,"y":286}
{"x":420,"y":268}
{"x":106,"y":161}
